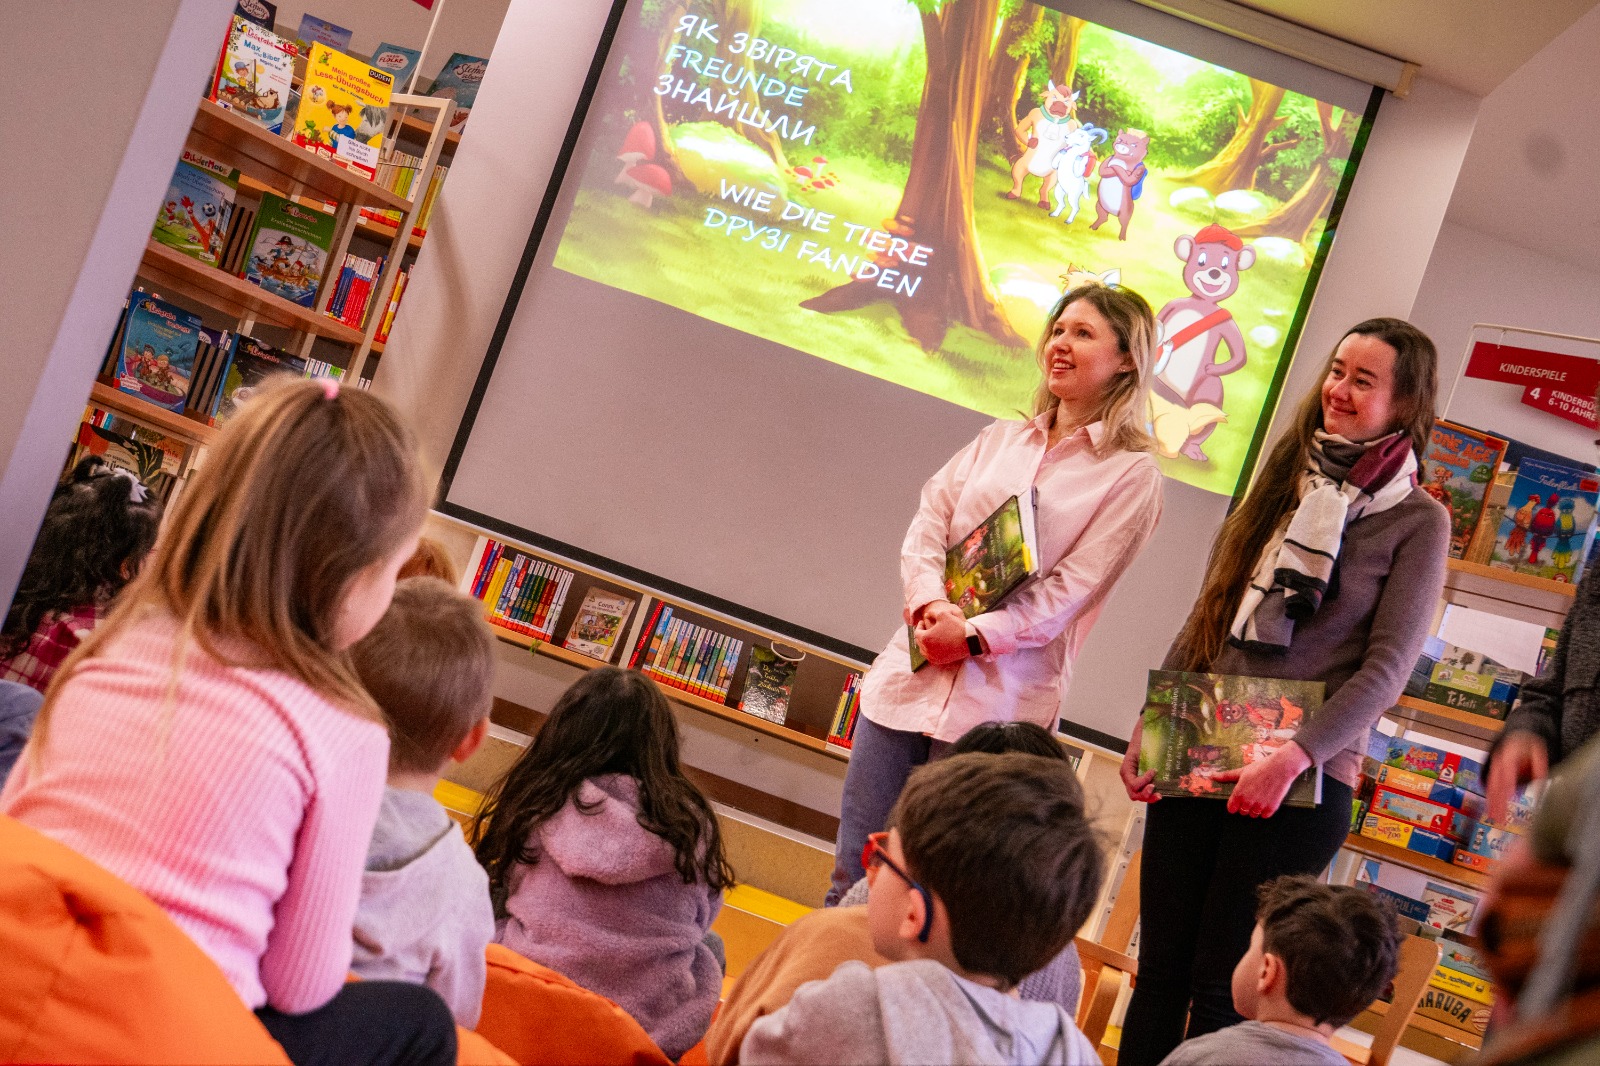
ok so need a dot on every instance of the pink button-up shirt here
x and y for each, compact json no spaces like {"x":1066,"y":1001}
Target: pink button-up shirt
{"x":1094,"y":515}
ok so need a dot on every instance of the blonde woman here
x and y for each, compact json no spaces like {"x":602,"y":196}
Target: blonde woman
{"x":1099,"y":497}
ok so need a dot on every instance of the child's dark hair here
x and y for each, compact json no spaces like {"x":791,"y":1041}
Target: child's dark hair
{"x":1340,"y":946}
{"x":997,"y":738}
{"x":610,"y":721}
{"x":429,"y":666}
{"x":99,"y":526}
{"x":1003,"y":842}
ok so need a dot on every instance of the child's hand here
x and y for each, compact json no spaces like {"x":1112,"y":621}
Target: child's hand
{"x":1261,"y":786}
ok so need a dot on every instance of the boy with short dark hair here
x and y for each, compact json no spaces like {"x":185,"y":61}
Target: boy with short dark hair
{"x":989,"y":869}
{"x":1319,"y":955}
{"x":425,"y":914}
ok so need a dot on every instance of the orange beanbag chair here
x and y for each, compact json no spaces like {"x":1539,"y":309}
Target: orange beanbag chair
{"x":541,"y":1018}
{"x":473,"y":1049}
{"x":92,"y":971}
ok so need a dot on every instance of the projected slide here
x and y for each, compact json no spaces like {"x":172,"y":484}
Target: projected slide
{"x":904,"y":188}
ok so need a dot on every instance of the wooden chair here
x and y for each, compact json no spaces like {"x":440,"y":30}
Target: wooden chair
{"x":1107,"y":968}
{"x":1418,"y":958}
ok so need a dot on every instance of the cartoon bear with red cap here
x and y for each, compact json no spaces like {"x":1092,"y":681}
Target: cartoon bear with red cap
{"x":1194,"y":328}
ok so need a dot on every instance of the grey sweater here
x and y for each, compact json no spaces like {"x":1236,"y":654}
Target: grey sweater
{"x":1365,"y":637}
{"x":1562,"y":705}
{"x":913,"y":1012}
{"x":1253,"y":1044}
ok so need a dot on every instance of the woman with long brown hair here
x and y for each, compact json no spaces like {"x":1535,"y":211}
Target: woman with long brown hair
{"x":1328,"y":571}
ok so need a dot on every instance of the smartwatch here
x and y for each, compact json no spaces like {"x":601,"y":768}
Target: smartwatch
{"x":975,"y":646}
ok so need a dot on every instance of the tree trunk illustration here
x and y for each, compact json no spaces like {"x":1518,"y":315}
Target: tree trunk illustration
{"x":1064,"y":57}
{"x":936,"y":207}
{"x":744,"y":16}
{"x":1235,"y":166}
{"x":652,"y":110}
{"x":1296,"y":216}
{"x":1006,"y":81}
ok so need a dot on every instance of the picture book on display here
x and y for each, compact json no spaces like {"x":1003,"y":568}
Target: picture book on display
{"x":255,"y":72}
{"x":158,"y":352}
{"x":768,"y":685}
{"x":1546,"y":520}
{"x":260,"y":12}
{"x":398,"y":61}
{"x":314,"y":30}
{"x":458,"y":80}
{"x":194,"y":216}
{"x":344,"y":106}
{"x":289,"y":249}
{"x":601,"y":619}
{"x":1198,"y":725}
{"x":249,"y":364}
{"x":150,"y":463}
{"x":684,"y":655}
{"x":1458,"y":470}
{"x":990,"y":563}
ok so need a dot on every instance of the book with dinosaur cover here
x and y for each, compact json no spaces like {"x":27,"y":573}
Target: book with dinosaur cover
{"x":600,"y":622}
{"x":1198,"y":725}
{"x":990,"y":563}
{"x":289,"y":249}
{"x":768,"y":685}
{"x":1546,"y":520}
{"x":249,"y":364}
{"x":1458,"y":469}
{"x":458,"y":80}
{"x":344,"y":107}
{"x":158,"y":352}
{"x":255,"y":73}
{"x":194,"y":216}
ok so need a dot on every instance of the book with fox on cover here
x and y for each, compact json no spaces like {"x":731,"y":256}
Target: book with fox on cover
{"x":344,"y":107}
{"x":1198,"y":725}
{"x":990,"y":563}
{"x":255,"y":73}
{"x":600,"y":622}
{"x":1457,"y":470}
{"x":1546,"y":519}
{"x":768,"y":685}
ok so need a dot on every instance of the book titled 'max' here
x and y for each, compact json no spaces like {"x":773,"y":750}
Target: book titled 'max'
{"x":1199,"y":725}
{"x":990,"y":563}
{"x":255,"y":73}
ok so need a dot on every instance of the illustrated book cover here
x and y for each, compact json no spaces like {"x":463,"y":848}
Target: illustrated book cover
{"x":1458,"y":470}
{"x":255,"y":73}
{"x":1546,"y":520}
{"x":1198,"y":725}
{"x":768,"y":685}
{"x":158,"y":352}
{"x":194,"y":216}
{"x":249,"y":364}
{"x":602,"y":617}
{"x":314,"y":30}
{"x":458,"y":80}
{"x":398,"y":61}
{"x":344,"y":107}
{"x":289,"y":249}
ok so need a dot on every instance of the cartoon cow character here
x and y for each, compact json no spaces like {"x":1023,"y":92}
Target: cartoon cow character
{"x":1194,"y":327}
{"x":1074,"y":166}
{"x":1122,"y":179}
{"x":1046,"y":127}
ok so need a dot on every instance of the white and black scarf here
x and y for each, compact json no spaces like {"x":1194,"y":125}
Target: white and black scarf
{"x":1341,"y":482}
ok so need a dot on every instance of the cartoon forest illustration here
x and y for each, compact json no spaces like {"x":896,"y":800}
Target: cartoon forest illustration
{"x":904,"y":186}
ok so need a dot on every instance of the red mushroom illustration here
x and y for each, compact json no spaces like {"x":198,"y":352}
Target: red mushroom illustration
{"x":811,"y":177}
{"x":639,"y":146}
{"x":647,"y":180}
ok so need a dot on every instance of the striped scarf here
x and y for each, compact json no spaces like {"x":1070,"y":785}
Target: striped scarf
{"x":1341,"y":482}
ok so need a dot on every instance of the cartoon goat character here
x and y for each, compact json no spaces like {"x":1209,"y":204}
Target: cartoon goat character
{"x":1046,"y":128}
{"x":1122,"y":179}
{"x":1074,"y":166}
{"x":1194,"y":327}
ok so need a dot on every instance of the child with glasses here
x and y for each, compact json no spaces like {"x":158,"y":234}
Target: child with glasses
{"x":988,"y":869}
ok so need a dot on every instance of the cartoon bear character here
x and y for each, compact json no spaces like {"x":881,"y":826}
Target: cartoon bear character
{"x":1046,"y":128}
{"x":1122,"y":179}
{"x":1195,"y":327}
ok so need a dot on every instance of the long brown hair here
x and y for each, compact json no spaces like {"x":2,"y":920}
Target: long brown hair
{"x":306,"y":488}
{"x":1125,"y":407}
{"x":1246,"y":531}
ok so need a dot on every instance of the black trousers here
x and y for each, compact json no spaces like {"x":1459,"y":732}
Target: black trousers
{"x":1199,"y":873}
{"x":369,"y":1023}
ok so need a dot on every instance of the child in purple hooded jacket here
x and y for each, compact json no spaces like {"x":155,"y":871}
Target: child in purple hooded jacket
{"x":605,"y":864}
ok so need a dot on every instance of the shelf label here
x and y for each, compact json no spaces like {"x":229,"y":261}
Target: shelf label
{"x":1562,"y":385}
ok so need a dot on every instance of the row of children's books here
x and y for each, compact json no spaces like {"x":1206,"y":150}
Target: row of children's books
{"x":353,"y":293}
{"x":399,"y":174}
{"x":842,"y":731}
{"x":684,"y":655}
{"x":523,"y":593}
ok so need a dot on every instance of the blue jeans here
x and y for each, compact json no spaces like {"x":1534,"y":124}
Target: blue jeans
{"x":881,"y":759}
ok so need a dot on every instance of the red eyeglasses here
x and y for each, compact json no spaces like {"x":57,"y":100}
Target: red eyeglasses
{"x":876,"y":850}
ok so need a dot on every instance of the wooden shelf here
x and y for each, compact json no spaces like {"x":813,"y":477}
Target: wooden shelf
{"x":147,"y":413}
{"x":1510,"y":577}
{"x":1423,"y":712}
{"x":1434,"y":1027}
{"x":234,"y":139}
{"x":379,"y":231}
{"x":688,"y":699}
{"x":170,"y":267}
{"x":422,"y":128}
{"x":1414,"y":860}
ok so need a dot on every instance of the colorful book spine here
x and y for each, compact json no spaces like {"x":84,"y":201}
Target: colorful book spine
{"x":842,"y":731}
{"x":490,"y":552}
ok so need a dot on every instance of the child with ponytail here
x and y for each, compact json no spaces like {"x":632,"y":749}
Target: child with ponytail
{"x":210,"y":744}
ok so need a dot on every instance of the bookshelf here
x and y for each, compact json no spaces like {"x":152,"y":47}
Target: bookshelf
{"x":420,"y":127}
{"x":1476,"y":727}
{"x":169,"y":422}
{"x":1413,"y":860}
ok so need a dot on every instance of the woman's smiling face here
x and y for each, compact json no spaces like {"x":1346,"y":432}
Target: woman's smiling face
{"x":1358,"y":393}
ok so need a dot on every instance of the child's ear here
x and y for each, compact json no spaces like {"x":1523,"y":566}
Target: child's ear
{"x":1274,"y":976}
{"x":471,"y":742}
{"x":916,"y":914}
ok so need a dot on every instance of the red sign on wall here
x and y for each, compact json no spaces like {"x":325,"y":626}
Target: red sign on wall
{"x":1563,"y":385}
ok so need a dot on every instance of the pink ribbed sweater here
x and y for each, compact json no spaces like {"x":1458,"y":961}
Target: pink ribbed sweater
{"x":243,"y":806}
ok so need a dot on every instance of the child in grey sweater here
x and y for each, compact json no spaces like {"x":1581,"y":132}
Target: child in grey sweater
{"x":1318,"y":956}
{"x":988,"y":869}
{"x":425,"y":914}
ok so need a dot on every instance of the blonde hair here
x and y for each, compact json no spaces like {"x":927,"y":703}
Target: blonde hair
{"x":1125,"y":406}
{"x":430,"y":560}
{"x":306,"y":488}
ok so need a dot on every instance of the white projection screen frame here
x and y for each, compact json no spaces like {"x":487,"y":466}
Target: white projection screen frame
{"x":768,"y":483}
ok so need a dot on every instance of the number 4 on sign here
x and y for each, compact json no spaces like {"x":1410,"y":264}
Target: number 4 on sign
{"x":1533,"y":394}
